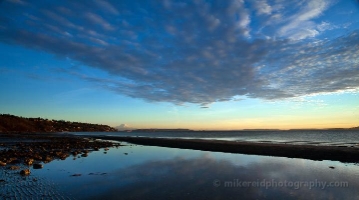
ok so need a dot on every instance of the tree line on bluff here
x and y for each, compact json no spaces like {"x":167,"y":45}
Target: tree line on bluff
{"x":11,"y":123}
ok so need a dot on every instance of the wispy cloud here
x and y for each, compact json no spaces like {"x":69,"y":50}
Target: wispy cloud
{"x":301,"y":25}
{"x":262,"y":7}
{"x":108,"y":7}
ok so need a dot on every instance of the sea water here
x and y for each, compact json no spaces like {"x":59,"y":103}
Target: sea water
{"x":311,"y":137}
{"x":147,"y":172}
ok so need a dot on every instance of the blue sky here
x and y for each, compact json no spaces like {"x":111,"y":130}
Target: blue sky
{"x":182,"y":64}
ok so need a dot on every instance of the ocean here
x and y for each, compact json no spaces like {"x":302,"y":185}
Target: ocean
{"x":311,"y":137}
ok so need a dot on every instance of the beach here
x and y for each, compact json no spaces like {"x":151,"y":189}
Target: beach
{"x":148,"y":168}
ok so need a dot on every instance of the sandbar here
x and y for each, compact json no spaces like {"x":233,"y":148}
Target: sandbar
{"x":312,"y":152}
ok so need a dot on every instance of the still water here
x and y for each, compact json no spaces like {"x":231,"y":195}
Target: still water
{"x":145,"y":172}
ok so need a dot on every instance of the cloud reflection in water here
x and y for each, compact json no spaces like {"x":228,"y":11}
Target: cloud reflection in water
{"x":182,"y":178}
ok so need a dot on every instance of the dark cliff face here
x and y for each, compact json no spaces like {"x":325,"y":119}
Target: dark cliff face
{"x":11,"y":123}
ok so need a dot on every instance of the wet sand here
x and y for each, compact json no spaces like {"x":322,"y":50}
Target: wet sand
{"x":335,"y":153}
{"x":14,"y":186}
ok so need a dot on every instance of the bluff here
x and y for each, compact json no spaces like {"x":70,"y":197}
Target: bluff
{"x":11,"y":123}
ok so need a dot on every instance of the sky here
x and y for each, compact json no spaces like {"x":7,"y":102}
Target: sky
{"x":203,"y":65}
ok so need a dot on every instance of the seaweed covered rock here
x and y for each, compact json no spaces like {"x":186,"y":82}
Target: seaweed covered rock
{"x":25,"y":172}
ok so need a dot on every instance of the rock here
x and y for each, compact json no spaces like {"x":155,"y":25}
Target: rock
{"x":37,"y":157}
{"x":25,"y":172}
{"x":47,"y":158}
{"x":2,"y":180}
{"x":15,"y":161}
{"x":37,"y":166}
{"x":29,"y":161}
{"x":84,"y":155}
{"x":331,"y":167}
{"x":126,"y":153}
{"x":14,"y":167}
{"x":64,"y":156}
{"x":76,"y":175}
{"x":2,"y":163}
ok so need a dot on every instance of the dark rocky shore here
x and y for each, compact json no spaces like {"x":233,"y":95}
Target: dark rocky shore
{"x":343,"y":154}
{"x":33,"y":150}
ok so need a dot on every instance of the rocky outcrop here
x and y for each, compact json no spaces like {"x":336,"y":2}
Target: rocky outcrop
{"x":44,"y":148}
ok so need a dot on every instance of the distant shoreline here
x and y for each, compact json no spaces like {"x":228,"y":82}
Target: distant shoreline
{"x":343,"y":154}
{"x":16,"y":124}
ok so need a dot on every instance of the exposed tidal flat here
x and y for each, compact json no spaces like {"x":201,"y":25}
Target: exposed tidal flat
{"x":130,"y":171}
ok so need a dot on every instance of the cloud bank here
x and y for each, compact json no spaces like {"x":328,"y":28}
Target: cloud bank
{"x":193,"y":51}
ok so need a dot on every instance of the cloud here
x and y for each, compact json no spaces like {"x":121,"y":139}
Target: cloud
{"x":262,"y":7}
{"x":191,"y":52}
{"x":326,"y":26}
{"x":301,"y":24}
{"x":17,"y":2}
{"x":322,"y":67}
{"x":108,"y":7}
{"x":98,"y":20}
